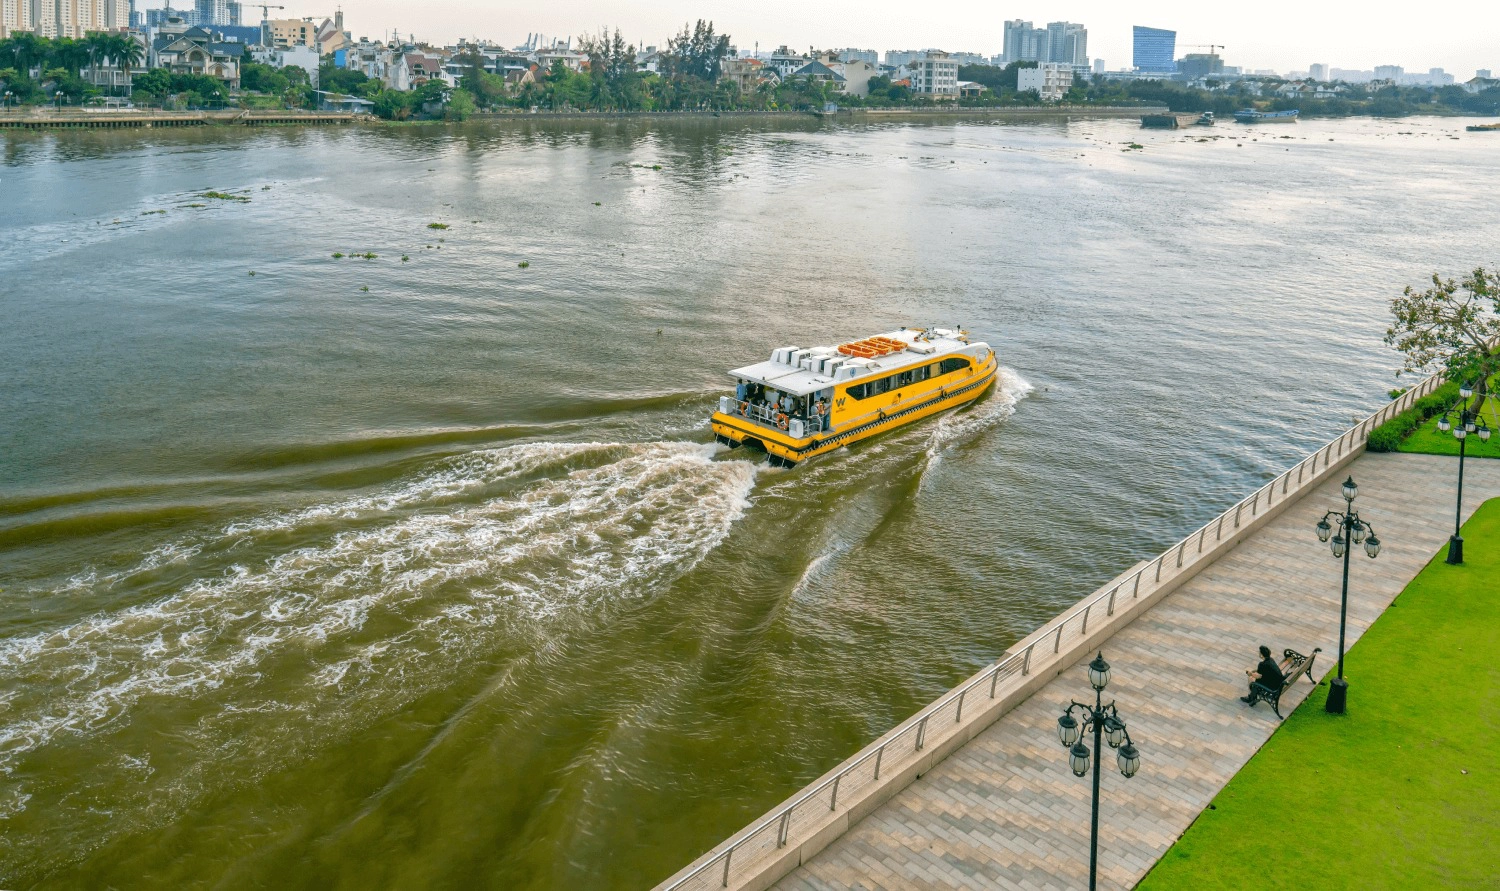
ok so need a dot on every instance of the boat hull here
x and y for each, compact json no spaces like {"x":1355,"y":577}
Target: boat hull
{"x":786,"y":450}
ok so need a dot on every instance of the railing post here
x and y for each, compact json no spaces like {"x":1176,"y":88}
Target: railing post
{"x":1158,"y":569}
{"x":1180,"y":552}
{"x":786,"y":819}
{"x":1136,"y":591}
{"x":1086,"y":619}
{"x":1301,"y":467}
{"x":1201,"y":535}
{"x":879,"y":753}
{"x":727,"y":854}
{"x":921,"y":732}
{"x":1025,"y":669}
{"x":1255,"y":505}
{"x":1219,"y":535}
{"x":1237,"y":508}
{"x":1286,"y":480}
{"x":1111,"y":610}
{"x":833,"y":803}
{"x":1058,"y":641}
{"x":958,"y":715}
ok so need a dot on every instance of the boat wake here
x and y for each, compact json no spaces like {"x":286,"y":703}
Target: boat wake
{"x":962,"y":425}
{"x":345,"y":609}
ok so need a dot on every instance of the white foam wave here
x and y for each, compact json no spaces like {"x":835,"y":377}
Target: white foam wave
{"x":399,"y":596}
{"x":957,"y":426}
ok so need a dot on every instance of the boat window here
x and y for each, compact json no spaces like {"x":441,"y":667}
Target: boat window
{"x":896,"y":381}
{"x":952,"y":365}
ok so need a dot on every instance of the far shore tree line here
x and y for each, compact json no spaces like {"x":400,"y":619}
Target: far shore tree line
{"x":35,"y":70}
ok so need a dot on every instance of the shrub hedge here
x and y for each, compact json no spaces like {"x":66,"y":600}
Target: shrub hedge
{"x":1388,"y":436}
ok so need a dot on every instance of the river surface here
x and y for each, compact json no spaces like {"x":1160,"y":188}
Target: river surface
{"x":422,"y":570}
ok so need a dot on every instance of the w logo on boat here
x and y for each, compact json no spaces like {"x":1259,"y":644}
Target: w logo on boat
{"x":839,"y":402}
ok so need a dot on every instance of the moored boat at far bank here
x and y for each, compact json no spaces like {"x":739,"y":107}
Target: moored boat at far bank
{"x":1251,"y":116}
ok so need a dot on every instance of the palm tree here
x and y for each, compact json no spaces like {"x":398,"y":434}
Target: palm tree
{"x":95,"y":46}
{"x":68,"y":54}
{"x":126,"y":54}
{"x":25,"y":49}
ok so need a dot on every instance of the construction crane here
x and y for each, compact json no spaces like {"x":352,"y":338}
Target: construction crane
{"x":265,"y":10}
{"x":1211,"y":47}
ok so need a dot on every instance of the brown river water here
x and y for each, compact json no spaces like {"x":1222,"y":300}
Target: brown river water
{"x":423,"y":570}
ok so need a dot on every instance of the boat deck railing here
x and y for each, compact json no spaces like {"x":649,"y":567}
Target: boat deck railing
{"x":766,"y":415}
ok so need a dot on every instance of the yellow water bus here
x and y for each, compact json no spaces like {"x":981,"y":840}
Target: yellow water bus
{"x":805,"y":402}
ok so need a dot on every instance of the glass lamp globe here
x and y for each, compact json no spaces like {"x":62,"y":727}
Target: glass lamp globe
{"x":1099,"y":672}
{"x":1324,"y":530}
{"x":1067,"y":730}
{"x":1444,"y":424}
{"x":1350,"y":490}
{"x":1129,"y":760}
{"x":1469,"y":423}
{"x":1372,"y":546}
{"x":1078,"y":759}
{"x":1358,"y":533}
{"x":1338,"y":546}
{"x":1465,"y":390}
{"x":1114,"y":732}
{"x":1459,"y":432}
{"x":1484,"y":432}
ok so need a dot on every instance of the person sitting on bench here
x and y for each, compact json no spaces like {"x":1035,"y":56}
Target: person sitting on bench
{"x":1267,"y":674}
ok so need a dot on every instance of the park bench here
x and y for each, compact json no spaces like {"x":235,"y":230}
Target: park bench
{"x":1293,"y":665}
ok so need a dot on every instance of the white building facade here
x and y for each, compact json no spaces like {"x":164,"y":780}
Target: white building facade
{"x":1051,"y":80}
{"x":935,"y":76}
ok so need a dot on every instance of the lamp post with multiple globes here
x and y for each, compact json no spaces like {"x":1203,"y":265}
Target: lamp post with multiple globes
{"x":1468,"y":423}
{"x":1351,"y":531}
{"x":1107,"y":725}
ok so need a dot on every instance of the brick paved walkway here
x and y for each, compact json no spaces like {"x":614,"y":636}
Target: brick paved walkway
{"x":1005,"y":811}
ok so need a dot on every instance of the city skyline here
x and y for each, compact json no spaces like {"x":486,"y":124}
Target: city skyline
{"x":1281,"y":35}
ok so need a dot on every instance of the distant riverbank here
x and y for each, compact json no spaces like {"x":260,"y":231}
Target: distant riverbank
{"x":46,"y":119}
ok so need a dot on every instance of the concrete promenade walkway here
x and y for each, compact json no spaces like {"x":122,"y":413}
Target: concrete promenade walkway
{"x":1006,"y":812}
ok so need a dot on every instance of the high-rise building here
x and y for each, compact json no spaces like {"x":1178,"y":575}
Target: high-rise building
{"x":63,"y":18}
{"x":1483,"y":72}
{"x":210,"y":13}
{"x":1154,"y":50}
{"x":15,"y":15}
{"x":1318,"y":72}
{"x":1099,"y":66}
{"x":1063,"y":42}
{"x":1024,"y":42}
{"x":1389,"y":72}
{"x":1068,"y":43}
{"x":1196,"y":65}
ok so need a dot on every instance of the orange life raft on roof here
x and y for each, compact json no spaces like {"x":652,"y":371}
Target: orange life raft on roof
{"x":871,"y":347}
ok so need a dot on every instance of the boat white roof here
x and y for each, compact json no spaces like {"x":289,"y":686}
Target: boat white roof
{"x":800,"y":372}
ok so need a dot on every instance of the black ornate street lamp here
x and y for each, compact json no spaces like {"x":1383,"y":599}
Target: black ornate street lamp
{"x":1468,"y":423}
{"x":1351,"y":531}
{"x":1109,"y":727}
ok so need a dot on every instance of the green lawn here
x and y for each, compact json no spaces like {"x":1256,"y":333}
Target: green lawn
{"x":1403,"y":791}
{"x":1429,"y":440}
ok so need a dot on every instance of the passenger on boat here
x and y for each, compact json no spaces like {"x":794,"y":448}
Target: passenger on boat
{"x":740,"y":389}
{"x":822,"y":410}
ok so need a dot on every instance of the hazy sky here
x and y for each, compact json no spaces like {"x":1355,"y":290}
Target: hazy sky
{"x":1281,"y":34}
